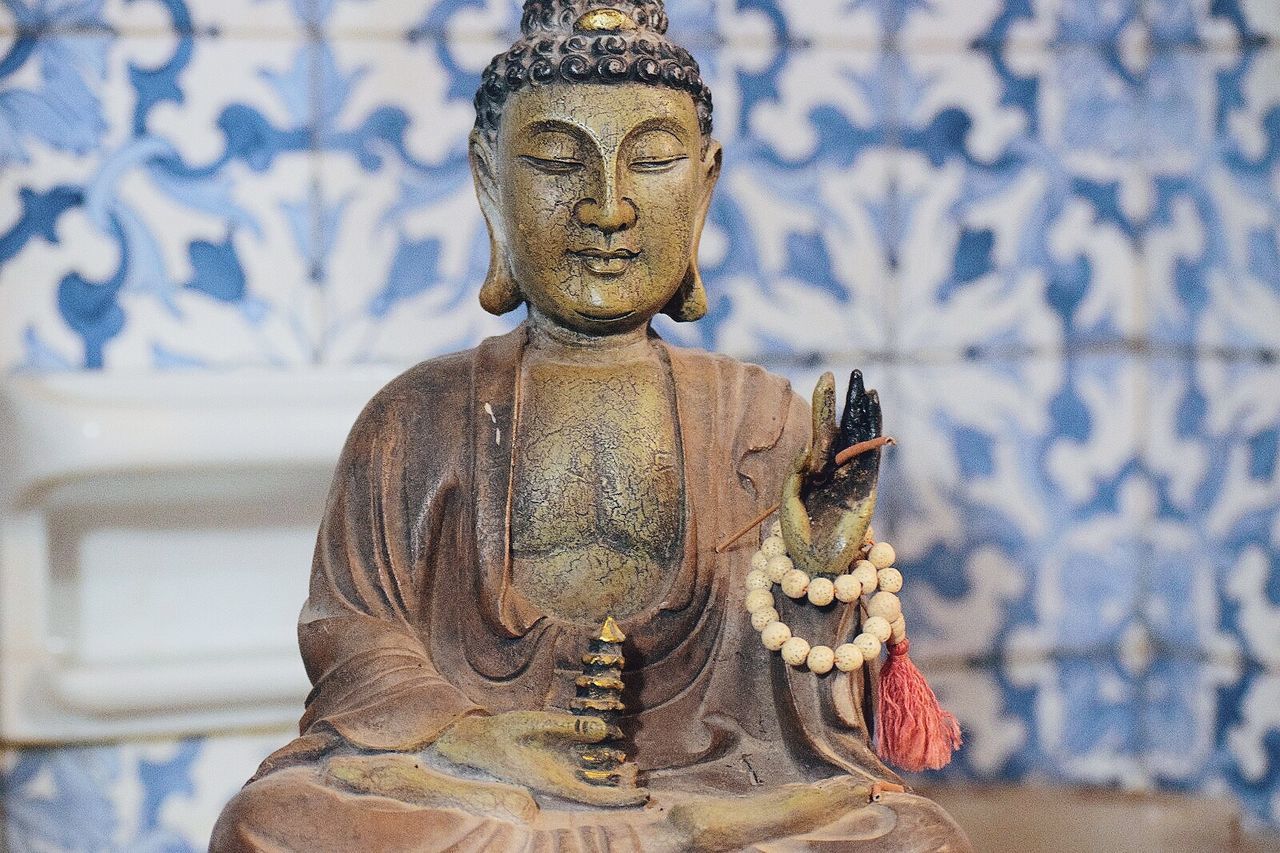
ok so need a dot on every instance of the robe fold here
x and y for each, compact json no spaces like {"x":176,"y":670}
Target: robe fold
{"x":413,"y":622}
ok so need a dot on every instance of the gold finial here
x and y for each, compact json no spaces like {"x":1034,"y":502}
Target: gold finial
{"x":611,"y":633}
{"x":604,"y":20}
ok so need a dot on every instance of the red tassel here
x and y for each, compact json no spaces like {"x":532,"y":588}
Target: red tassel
{"x":913,"y":732}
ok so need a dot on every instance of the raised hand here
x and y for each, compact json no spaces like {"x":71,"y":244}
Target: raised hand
{"x":826,"y":508}
{"x":533,"y":749}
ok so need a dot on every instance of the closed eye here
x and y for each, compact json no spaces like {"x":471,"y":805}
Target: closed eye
{"x":657,"y":164}
{"x":553,"y":166}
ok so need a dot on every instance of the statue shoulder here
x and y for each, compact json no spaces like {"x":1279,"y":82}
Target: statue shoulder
{"x":426,"y":398}
{"x":728,"y":373}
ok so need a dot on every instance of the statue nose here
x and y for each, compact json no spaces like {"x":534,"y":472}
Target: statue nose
{"x":614,"y":214}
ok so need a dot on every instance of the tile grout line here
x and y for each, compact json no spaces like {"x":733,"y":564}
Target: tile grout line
{"x":944,"y":358}
{"x":317,"y":275}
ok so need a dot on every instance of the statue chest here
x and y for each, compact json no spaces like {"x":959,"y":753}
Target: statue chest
{"x":597,"y":512}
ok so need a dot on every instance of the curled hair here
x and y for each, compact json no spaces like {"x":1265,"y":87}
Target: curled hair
{"x":553,"y":51}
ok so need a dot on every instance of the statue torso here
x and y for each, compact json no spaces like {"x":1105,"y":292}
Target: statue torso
{"x":597,"y":513}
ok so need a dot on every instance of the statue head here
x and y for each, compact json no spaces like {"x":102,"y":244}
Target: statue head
{"x":594,"y":165}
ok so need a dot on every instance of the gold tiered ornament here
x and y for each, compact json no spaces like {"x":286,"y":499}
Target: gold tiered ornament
{"x":599,"y":694}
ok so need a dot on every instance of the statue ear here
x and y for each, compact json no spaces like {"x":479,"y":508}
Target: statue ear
{"x":500,"y":293}
{"x":690,"y":301}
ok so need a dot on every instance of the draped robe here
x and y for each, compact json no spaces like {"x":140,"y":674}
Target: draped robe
{"x":413,"y":623}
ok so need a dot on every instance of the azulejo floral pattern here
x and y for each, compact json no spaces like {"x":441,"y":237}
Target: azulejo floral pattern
{"x":1047,"y":230}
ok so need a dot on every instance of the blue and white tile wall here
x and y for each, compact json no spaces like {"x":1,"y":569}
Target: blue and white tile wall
{"x":1049,"y":231}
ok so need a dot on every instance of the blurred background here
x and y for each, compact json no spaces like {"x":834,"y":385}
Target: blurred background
{"x":1047,"y":230}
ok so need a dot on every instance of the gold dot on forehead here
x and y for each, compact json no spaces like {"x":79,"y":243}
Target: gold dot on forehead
{"x":604,"y":20}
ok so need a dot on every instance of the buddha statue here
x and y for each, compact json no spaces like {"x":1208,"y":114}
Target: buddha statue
{"x":492,"y":509}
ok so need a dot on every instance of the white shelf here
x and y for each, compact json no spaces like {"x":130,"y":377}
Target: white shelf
{"x":155,"y":543}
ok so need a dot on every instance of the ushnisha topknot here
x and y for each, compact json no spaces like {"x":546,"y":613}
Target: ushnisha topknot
{"x":553,"y":16}
{"x":591,"y":41}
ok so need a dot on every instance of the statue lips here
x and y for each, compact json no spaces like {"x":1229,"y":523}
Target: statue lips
{"x":606,"y":318}
{"x":606,"y":262}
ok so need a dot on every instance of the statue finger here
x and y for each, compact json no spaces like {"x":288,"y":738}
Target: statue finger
{"x":844,"y":793}
{"x":838,"y":551}
{"x":562,"y":726}
{"x":794,"y":482}
{"x":563,"y":780}
{"x":792,"y":513}
{"x":825,"y":429}
{"x":861,"y":419}
{"x":611,"y":797}
{"x":604,"y":796}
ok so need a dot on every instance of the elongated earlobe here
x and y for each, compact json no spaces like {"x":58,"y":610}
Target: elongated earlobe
{"x":500,"y":293}
{"x":690,"y":301}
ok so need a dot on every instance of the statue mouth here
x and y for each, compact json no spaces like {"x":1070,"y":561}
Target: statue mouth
{"x":605,"y":318}
{"x":607,"y":262}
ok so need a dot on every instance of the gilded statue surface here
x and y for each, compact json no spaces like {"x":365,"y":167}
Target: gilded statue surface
{"x":494,"y":508}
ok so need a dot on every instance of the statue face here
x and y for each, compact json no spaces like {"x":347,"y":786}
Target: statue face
{"x":597,"y":194}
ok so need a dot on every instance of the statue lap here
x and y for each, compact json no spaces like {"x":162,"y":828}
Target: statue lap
{"x":301,"y":809}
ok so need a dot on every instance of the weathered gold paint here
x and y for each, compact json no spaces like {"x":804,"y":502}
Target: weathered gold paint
{"x":595,"y":197}
{"x":604,"y":20}
{"x":597,"y":209}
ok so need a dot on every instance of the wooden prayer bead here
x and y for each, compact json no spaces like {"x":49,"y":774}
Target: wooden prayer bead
{"x":774,"y":635}
{"x":821,"y":592}
{"x":821,"y":659}
{"x":758,"y":599}
{"x":847,"y":588}
{"x":795,"y":583}
{"x":890,"y":579}
{"x":878,"y":627}
{"x":849,"y":657}
{"x":795,"y":651}
{"x":882,"y":555}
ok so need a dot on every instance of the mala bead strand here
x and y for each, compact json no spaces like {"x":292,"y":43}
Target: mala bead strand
{"x":912,"y":730}
{"x":868,"y":645}
{"x":778,"y":567}
{"x":759,"y":599}
{"x":762,"y":618}
{"x":873,"y":577}
{"x":772,"y":547}
{"x":878,"y":627}
{"x":881,"y":555}
{"x":885,"y":604}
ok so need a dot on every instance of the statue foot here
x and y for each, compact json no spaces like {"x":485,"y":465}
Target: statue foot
{"x":735,"y":823}
{"x":404,"y":778}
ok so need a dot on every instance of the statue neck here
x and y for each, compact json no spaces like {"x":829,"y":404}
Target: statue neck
{"x":554,"y":340}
